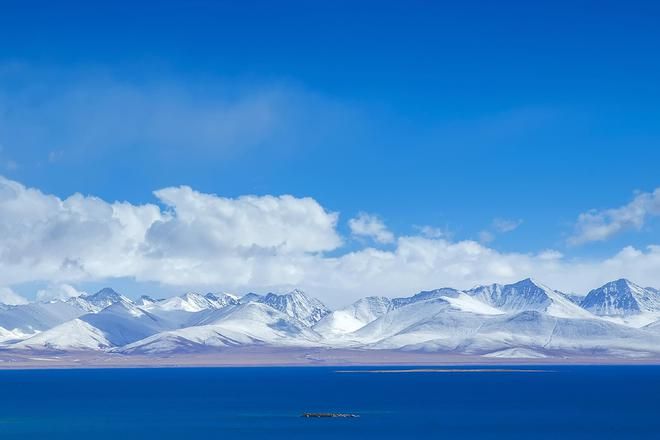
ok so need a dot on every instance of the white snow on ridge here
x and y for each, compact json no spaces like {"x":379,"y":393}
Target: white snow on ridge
{"x":189,"y":302}
{"x":524,"y":319}
{"x":622,"y":298}
{"x":73,"y":335}
{"x":467,"y":303}
{"x":297,"y":305}
{"x":528,"y":295}
{"x":245,"y":324}
{"x":7,"y":336}
{"x":354,"y":316}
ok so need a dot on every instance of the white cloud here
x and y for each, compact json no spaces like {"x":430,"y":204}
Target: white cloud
{"x":368,"y":225}
{"x":601,"y":225}
{"x":58,"y":291}
{"x":47,"y":238}
{"x":259,"y":243}
{"x":419,"y":263}
{"x":206,"y":225}
{"x":198,"y":239}
{"x":503,"y":225}
{"x":11,"y":298}
{"x":433,"y":231}
{"x":550,"y":254}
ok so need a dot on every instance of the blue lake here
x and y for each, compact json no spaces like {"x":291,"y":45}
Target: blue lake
{"x":266,"y":403}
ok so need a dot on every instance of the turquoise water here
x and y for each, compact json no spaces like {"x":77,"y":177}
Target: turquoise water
{"x":266,"y":403}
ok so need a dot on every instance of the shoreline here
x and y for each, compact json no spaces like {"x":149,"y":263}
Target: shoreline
{"x":269,"y":357}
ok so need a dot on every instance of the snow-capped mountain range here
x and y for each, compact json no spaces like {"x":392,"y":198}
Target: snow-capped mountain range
{"x":524,"y":319}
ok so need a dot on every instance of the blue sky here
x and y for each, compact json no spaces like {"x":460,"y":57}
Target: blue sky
{"x":461,"y":117}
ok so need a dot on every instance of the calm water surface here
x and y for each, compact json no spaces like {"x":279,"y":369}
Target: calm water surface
{"x":266,"y":403}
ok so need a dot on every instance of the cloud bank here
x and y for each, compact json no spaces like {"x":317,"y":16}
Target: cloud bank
{"x":191,"y":240}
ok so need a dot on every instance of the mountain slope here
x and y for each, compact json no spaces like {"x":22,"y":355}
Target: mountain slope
{"x":621,"y":298}
{"x":74,"y":335}
{"x":145,"y":301}
{"x":543,"y":334}
{"x":116,"y":325}
{"x":523,"y":319}
{"x":246,"y":324}
{"x":123,"y":323}
{"x":35,"y":317}
{"x":104,"y":298}
{"x":354,"y":316}
{"x":424,"y":296}
{"x":415,"y":322}
{"x":297,"y":305}
{"x":528,"y":295}
{"x":187,"y":309}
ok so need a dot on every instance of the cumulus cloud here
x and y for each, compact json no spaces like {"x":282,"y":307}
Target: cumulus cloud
{"x":47,"y":238}
{"x":58,"y":292}
{"x":601,"y":225}
{"x":206,"y":225}
{"x":371,"y":226}
{"x":11,"y":298}
{"x":193,"y":238}
{"x":187,"y":239}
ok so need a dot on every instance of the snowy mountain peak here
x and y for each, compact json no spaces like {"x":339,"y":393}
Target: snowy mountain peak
{"x":621,"y":298}
{"x":250,"y":297}
{"x":104,"y":298}
{"x":188,"y":302}
{"x":145,"y":301}
{"x":623,"y":284}
{"x":522,"y":319}
{"x":193,"y":302}
{"x":298,"y":305}
{"x":521,"y":296}
{"x":528,"y":280}
{"x":124,"y":308}
{"x":424,"y":296}
{"x":106,"y":292}
{"x":220,"y":300}
{"x":528,"y":295}
{"x":530,"y":283}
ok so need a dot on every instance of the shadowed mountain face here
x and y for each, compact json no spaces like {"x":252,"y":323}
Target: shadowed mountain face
{"x":105,"y":297}
{"x":524,"y":319}
{"x":297,"y":305}
{"x":621,"y":298}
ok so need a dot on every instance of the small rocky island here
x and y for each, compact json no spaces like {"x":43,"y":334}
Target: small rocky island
{"x":330,"y":415}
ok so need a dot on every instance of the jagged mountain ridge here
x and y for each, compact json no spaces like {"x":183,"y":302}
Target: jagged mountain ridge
{"x":496,"y":320}
{"x":297,"y":305}
{"x":528,"y":295}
